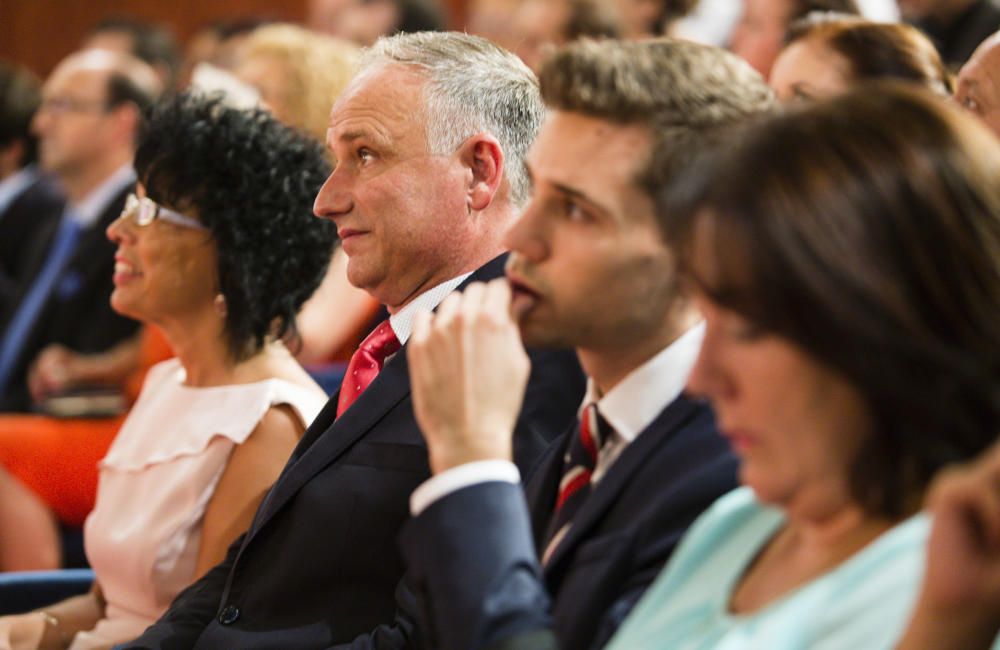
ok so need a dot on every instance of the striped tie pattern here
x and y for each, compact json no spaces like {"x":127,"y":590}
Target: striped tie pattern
{"x":578,"y":468}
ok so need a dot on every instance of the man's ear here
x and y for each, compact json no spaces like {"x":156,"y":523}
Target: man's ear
{"x":126,"y":118}
{"x":483,"y":157}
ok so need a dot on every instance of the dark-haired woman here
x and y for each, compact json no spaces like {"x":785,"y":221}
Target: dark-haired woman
{"x":851,"y":291}
{"x":824,"y":55}
{"x":219,"y":249}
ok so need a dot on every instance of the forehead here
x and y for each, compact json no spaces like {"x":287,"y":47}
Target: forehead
{"x":983,"y":70}
{"x":588,"y":153}
{"x":385,"y":101}
{"x":72,"y":77}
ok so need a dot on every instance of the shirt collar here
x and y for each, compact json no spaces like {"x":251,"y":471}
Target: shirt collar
{"x":88,"y":210}
{"x":402,"y":321}
{"x":637,"y":399}
{"x":15,"y":184}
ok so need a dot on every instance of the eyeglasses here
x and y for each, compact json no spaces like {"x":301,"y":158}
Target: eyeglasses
{"x":63,"y":105}
{"x":146,"y":211}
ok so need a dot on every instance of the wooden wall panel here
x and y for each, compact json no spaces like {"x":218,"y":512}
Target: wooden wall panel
{"x":39,"y":33}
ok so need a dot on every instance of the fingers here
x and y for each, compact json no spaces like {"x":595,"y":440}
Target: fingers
{"x":969,"y":496}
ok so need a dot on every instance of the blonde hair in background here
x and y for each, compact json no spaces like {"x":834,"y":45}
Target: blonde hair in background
{"x":316,"y":68}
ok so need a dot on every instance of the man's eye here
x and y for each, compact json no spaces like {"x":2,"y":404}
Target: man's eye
{"x":574,"y":212}
{"x":365,"y":154}
{"x":970,"y":103}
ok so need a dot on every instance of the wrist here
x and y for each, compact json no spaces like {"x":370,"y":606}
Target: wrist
{"x":454,"y":456}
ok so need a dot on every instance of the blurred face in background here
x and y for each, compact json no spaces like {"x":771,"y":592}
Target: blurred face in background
{"x":639,"y":17}
{"x":73,"y":123}
{"x":808,"y":69}
{"x":354,"y":20}
{"x":978,"y":88}
{"x":760,"y":33}
{"x":538,"y":25}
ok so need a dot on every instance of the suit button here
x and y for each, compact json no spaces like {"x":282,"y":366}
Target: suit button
{"x":229,"y":615}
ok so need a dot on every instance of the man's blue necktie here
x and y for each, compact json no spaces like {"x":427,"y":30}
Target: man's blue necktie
{"x":27,"y":314}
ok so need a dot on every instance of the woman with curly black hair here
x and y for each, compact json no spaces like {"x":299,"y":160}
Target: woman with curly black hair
{"x":219,"y":249}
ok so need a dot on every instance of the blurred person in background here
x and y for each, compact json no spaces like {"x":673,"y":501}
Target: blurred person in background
{"x":650,"y":18}
{"x":86,"y":126}
{"x":28,"y":198}
{"x":760,"y":33}
{"x":826,"y":54}
{"x":978,"y":87}
{"x":300,"y":74}
{"x":219,"y":249}
{"x":957,"y":27}
{"x":149,"y":42}
{"x":364,"y":21}
{"x":540,"y":25}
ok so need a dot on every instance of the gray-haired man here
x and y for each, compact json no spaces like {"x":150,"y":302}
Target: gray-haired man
{"x":429,"y":140}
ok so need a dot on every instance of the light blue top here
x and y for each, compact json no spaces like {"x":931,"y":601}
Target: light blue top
{"x":864,"y":602}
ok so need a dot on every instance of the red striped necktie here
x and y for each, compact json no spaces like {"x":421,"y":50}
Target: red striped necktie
{"x":366,"y":362}
{"x":578,"y":468}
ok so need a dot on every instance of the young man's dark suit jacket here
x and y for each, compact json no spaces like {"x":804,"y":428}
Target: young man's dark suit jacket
{"x":320,"y":563}
{"x":473,"y":555}
{"x":78,"y":312}
{"x":27,"y":218}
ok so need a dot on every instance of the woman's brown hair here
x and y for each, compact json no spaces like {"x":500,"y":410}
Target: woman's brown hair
{"x":865,"y":230}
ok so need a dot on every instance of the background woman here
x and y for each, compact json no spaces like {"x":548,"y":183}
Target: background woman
{"x":219,"y":249}
{"x":850,"y":290}
{"x":825,"y":54}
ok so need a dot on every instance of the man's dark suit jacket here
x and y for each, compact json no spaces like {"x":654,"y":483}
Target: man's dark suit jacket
{"x":473,"y":555}
{"x":319,"y":564}
{"x":78,"y":312}
{"x":26,"y":219}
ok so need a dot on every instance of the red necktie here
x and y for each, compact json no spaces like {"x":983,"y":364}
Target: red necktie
{"x":366,"y":363}
{"x":578,"y":467}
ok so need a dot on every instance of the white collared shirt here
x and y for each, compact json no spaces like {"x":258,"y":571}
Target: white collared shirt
{"x":629,"y":408}
{"x":14,"y":185}
{"x":402,"y":321}
{"x":88,"y":210}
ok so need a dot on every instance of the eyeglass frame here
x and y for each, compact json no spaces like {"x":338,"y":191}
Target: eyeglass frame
{"x":146,"y":211}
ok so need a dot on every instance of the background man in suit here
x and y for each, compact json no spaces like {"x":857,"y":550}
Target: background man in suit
{"x":429,"y":140}
{"x":27,"y":197}
{"x":591,"y":266}
{"x":87,"y":122}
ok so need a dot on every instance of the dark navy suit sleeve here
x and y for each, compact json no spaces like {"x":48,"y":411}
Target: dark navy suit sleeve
{"x":192,"y":610}
{"x":479,"y":583}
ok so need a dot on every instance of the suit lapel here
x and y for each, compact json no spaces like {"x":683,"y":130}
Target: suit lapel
{"x":329,"y":436}
{"x":390,"y":387}
{"x":605,"y":495}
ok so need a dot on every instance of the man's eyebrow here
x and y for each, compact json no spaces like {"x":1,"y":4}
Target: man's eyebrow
{"x":580,"y":196}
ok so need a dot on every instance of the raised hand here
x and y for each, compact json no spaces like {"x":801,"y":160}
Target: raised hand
{"x":959,"y":604}
{"x":468,"y":371}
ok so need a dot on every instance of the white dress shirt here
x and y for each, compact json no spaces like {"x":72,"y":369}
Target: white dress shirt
{"x":402,"y":321}
{"x":629,"y":408}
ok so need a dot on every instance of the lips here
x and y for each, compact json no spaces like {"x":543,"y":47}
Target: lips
{"x":523,"y":296}
{"x":124,"y":270}
{"x":740,"y":439}
{"x":349,"y":238}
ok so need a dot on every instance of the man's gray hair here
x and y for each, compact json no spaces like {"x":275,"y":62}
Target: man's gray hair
{"x":472,"y":86}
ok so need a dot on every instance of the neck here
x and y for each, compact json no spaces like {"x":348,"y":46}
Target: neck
{"x":832,"y":538}
{"x":85,"y":179}
{"x":608,"y":365}
{"x":199,"y":344}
